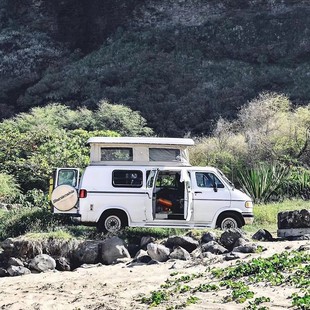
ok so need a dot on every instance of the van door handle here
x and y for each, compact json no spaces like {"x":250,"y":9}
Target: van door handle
{"x":198,"y":192}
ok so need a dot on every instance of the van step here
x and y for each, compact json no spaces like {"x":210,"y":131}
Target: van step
{"x":176,"y":217}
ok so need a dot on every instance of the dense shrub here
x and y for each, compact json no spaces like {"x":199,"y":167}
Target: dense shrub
{"x":24,"y":220}
{"x":9,"y":189}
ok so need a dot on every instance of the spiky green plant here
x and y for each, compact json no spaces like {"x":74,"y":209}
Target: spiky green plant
{"x":262,"y":181}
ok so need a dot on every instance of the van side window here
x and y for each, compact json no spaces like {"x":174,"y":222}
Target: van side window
{"x":127,"y":178}
{"x":116,"y":153}
{"x":207,"y":179}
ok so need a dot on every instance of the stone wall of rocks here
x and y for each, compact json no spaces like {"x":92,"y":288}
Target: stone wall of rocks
{"x":21,"y":256}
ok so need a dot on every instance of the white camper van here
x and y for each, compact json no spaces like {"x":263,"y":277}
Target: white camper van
{"x":148,"y":182}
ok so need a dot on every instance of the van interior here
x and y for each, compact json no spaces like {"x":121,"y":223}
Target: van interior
{"x":169,"y":196}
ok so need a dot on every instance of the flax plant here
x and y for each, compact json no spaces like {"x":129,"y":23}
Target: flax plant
{"x":263,"y":181}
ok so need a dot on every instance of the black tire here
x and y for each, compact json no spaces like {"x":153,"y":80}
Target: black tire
{"x":111,"y":222}
{"x":229,"y":220}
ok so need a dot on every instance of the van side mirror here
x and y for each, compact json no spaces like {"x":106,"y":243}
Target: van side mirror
{"x":214,"y":187}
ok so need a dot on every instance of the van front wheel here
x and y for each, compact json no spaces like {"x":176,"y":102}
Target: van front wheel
{"x":111,"y":222}
{"x":229,"y":220}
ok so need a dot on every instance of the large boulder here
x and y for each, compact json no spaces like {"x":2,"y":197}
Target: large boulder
{"x":142,"y":257}
{"x":262,"y":235}
{"x":158,"y":252}
{"x":113,"y":249}
{"x":213,"y":247}
{"x":62,"y":264}
{"x":230,"y":236}
{"x":87,"y":252}
{"x":13,"y":261}
{"x":42,"y":263}
{"x":180,"y":253}
{"x":18,"y":271}
{"x":187,"y":243}
{"x":246,"y":248}
{"x":294,"y":219}
{"x":208,"y":236}
{"x":145,"y":240}
{"x":3,"y":272}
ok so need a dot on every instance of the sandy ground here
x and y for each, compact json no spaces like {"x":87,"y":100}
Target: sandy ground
{"x":120,"y":286}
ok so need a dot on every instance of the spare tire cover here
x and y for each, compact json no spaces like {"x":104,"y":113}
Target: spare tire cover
{"x":64,"y":197}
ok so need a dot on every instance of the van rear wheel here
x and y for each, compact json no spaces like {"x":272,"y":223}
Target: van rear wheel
{"x":111,"y":222}
{"x":229,"y":220}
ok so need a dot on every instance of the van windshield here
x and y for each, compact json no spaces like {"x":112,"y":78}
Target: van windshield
{"x":225,"y":178}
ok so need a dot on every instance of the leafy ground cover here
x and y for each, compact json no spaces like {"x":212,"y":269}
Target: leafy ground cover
{"x":237,"y":283}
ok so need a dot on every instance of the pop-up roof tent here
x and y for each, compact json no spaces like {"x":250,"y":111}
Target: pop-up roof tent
{"x":139,"y":151}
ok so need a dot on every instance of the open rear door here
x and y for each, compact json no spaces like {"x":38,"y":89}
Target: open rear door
{"x":63,"y":189}
{"x":188,"y":195}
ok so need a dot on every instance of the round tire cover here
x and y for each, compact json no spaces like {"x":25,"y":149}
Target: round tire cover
{"x":64,"y":197}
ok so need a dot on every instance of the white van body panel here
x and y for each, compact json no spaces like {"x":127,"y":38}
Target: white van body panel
{"x":202,"y":206}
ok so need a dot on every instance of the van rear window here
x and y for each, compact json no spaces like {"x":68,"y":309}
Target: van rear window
{"x":116,"y":153}
{"x":127,"y":178}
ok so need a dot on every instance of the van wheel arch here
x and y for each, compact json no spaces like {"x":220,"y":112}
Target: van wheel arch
{"x":230,"y":219}
{"x":112,"y":220}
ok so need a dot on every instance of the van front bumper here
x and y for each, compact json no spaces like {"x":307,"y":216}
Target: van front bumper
{"x":248,"y":218}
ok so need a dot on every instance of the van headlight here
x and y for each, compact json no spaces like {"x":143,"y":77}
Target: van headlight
{"x":249,"y":204}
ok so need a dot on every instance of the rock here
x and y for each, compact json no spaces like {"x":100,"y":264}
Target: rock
{"x":62,"y":264}
{"x":298,"y":238}
{"x":262,"y":235}
{"x":87,"y":252}
{"x":247,"y":248}
{"x":230,"y":236}
{"x":158,"y":252}
{"x":294,"y":219}
{"x":42,"y":263}
{"x":133,"y":249}
{"x":209,"y":258}
{"x":208,"y":236}
{"x":197,"y":253}
{"x":7,"y":244}
{"x":180,"y":253}
{"x":112,"y":249}
{"x":13,"y":261}
{"x":304,"y":247}
{"x":213,"y":247}
{"x":145,"y":240}
{"x":187,"y":243}
{"x":232,"y":256}
{"x":18,"y":271}
{"x":3,"y":272}
{"x":240,"y":241}
{"x":142,"y":257}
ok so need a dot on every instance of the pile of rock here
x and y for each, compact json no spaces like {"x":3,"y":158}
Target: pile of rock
{"x":20,"y":256}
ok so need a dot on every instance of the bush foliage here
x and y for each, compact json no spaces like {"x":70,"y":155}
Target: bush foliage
{"x":33,"y":144}
{"x":269,"y":132}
